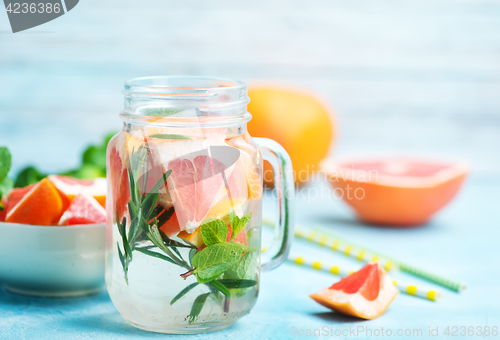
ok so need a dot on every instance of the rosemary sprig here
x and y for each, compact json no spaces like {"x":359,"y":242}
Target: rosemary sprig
{"x":142,"y":206}
{"x":208,"y":264}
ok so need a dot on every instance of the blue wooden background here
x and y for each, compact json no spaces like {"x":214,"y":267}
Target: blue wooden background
{"x":413,"y":77}
{"x":420,"y":76}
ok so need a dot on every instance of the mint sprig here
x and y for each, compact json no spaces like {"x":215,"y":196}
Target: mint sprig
{"x":237,"y":224}
{"x":143,"y":221}
{"x":219,"y":254}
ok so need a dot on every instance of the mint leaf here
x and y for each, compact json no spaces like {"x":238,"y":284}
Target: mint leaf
{"x":160,"y":112}
{"x":236,"y":284}
{"x":6,"y":185}
{"x":168,"y":136}
{"x":95,"y":155}
{"x":240,"y":225}
{"x":5,"y":162}
{"x":214,"y":260}
{"x":27,"y":176}
{"x":86,"y":171}
{"x":244,"y":268}
{"x":233,"y":218}
{"x":214,"y":232}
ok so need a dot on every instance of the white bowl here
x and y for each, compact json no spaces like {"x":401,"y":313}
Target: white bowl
{"x":52,"y":261}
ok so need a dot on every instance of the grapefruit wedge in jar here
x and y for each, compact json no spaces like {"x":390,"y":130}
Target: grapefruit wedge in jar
{"x":395,"y":191}
{"x":364,"y":294}
{"x":204,"y":173}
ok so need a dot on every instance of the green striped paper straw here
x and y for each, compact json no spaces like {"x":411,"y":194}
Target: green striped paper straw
{"x":315,"y":235}
{"x":405,"y":288}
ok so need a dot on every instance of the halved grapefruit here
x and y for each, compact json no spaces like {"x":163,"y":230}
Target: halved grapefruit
{"x":364,"y":294}
{"x":395,"y":191}
{"x":84,"y":209}
{"x":71,"y":187}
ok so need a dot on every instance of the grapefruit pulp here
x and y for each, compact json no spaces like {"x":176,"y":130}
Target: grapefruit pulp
{"x":395,"y":191}
{"x":364,"y":294}
{"x":197,"y":185}
{"x":14,"y":196}
{"x":119,"y":183}
{"x":83,"y":210}
{"x":71,"y":187}
{"x":196,"y":239}
{"x":248,"y":152}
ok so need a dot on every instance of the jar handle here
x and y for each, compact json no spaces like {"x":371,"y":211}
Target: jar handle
{"x":285,"y":191}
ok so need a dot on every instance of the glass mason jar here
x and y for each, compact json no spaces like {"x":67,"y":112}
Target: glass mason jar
{"x":183,"y":240}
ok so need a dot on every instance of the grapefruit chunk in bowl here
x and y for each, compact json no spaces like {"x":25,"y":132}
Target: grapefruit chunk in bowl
{"x":395,"y":191}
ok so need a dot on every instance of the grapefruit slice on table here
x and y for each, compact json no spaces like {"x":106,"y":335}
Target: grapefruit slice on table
{"x":365,"y":294}
{"x":41,"y":205}
{"x":71,"y":187}
{"x":396,"y":191}
{"x":83,"y":210}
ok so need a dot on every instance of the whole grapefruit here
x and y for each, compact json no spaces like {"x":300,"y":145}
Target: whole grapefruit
{"x":297,"y":120}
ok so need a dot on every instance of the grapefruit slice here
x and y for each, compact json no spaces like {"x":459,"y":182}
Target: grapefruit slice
{"x":13,"y":197}
{"x":171,"y":227}
{"x":364,"y":294}
{"x":196,"y":239}
{"x":41,"y":205}
{"x":396,"y":191}
{"x":195,"y":185}
{"x":83,"y":210}
{"x":219,"y":211}
{"x":249,"y":153}
{"x":71,"y":187}
{"x":118,"y":179}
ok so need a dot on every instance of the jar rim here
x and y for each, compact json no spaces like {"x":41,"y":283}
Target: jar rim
{"x":173,"y":99}
{"x":172,"y":85}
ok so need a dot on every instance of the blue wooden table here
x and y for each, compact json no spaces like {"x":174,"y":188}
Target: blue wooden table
{"x":461,"y":242}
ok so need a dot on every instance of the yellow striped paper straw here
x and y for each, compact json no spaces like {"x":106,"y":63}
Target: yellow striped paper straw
{"x":335,"y":244}
{"x":408,"y":289}
{"x":364,"y":254}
